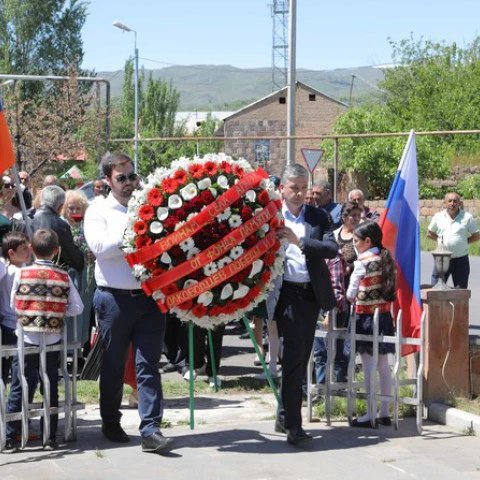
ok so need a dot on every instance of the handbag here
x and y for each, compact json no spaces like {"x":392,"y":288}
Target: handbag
{"x":93,"y":363}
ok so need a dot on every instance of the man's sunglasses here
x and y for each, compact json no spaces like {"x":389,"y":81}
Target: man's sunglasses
{"x":123,"y":178}
{"x":8,"y":185}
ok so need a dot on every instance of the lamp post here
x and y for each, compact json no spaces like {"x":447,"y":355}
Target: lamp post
{"x":123,"y":27}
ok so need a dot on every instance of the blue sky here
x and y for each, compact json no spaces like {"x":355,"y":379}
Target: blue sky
{"x":340,"y":34}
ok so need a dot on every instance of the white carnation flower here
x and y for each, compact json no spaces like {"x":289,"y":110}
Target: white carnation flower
{"x":266,"y":227}
{"x":187,"y":244}
{"x":213,"y":191}
{"x":174,"y":202}
{"x":139,"y":270}
{"x":223,"y":262}
{"x":222,"y":181}
{"x":274,"y":195}
{"x":165,"y":258}
{"x":156,"y":227}
{"x":241,"y":291}
{"x":192,"y":253}
{"x":235,"y":220}
{"x":162,"y":213}
{"x":251,"y":196}
{"x":205,"y":298}
{"x":158,"y":295}
{"x":178,"y":225}
{"x":190,"y":216}
{"x":256,"y":268}
{"x":204,"y":183}
{"x":236,"y":252}
{"x":225,"y":215}
{"x":210,"y":269}
{"x":227,"y":291}
{"x":189,"y":283}
{"x":188,"y":192}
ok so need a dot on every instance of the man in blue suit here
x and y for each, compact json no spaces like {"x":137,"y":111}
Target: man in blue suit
{"x":306,"y":289}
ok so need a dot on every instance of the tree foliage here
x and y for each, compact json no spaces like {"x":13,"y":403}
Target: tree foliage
{"x":433,"y":87}
{"x":157,"y":109}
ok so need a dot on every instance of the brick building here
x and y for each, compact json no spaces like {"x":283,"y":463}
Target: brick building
{"x":315,"y":114}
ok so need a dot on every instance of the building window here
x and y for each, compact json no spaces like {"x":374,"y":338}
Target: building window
{"x":282,"y":100}
{"x":311,"y":97}
{"x":262,"y":152}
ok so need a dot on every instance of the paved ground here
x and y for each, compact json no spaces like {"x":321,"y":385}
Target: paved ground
{"x":234,"y":439}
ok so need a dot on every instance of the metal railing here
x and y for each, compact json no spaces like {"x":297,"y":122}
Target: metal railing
{"x":351,"y":388}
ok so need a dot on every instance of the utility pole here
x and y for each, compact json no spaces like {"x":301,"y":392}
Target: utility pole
{"x":292,"y":81}
{"x":351,"y":89}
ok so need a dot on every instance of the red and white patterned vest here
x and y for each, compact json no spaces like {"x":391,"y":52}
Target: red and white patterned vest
{"x":369,"y":296}
{"x":41,"y":298}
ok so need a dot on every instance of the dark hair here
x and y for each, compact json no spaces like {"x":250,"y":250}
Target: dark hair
{"x":347,"y":207}
{"x":11,"y":241}
{"x":44,"y":242}
{"x":111,"y":160}
{"x":389,"y":272}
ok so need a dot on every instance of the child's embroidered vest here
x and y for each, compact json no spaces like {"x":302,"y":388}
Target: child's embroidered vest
{"x":41,"y":298}
{"x":369,"y":296}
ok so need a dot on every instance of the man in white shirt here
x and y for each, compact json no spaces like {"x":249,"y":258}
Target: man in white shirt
{"x":457,"y":229}
{"x":125,"y":314}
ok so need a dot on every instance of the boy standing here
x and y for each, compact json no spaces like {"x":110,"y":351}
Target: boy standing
{"x":16,"y":253}
{"x":42,"y":296}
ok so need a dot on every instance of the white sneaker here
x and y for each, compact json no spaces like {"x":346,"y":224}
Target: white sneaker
{"x":186,"y":375}
{"x":211,"y":382}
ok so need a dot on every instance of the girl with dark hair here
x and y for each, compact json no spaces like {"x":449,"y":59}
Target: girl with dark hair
{"x":372,"y":286}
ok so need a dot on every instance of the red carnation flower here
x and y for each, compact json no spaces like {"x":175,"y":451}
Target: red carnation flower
{"x":186,"y":305}
{"x":150,"y":265}
{"x":226,"y":167}
{"x":176,"y":251}
{"x":238,"y":171}
{"x":170,"y":223}
{"x":170,"y":288}
{"x":229,"y":308}
{"x":143,"y":241}
{"x":251,"y":241}
{"x":207,"y":197}
{"x":237,"y":203}
{"x":199,"y":310}
{"x":243,"y":302}
{"x":242,"y":275}
{"x":278,"y":203}
{"x":211,"y":168}
{"x":223,"y":229}
{"x":140,"y":227}
{"x":246,"y":213}
{"x":196,"y":171}
{"x":274,"y":223}
{"x":155,"y":197}
{"x":215,"y":310}
{"x":263,"y":198}
{"x":254,"y":292}
{"x":196,"y":203}
{"x":181,"y":176}
{"x":146,"y":212}
{"x":181,"y":213}
{"x":269,"y":258}
{"x":170,"y":185}
{"x":266,"y":276}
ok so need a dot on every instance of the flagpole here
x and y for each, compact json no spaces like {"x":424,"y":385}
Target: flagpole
{"x":18,"y":185}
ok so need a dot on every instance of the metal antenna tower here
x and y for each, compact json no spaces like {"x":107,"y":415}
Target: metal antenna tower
{"x":279,"y":11}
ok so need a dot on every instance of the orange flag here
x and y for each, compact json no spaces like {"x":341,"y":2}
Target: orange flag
{"x":7,"y":156}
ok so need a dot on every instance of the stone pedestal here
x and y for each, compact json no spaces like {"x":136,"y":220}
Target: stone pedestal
{"x":443,"y":338}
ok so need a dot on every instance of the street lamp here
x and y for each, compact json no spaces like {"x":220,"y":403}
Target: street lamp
{"x":123,"y":27}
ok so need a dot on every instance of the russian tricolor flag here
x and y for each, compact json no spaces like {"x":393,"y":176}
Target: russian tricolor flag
{"x":7,"y":156}
{"x":401,"y":235}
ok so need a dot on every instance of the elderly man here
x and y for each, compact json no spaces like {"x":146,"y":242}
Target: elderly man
{"x":125,"y":314}
{"x":322,"y":197}
{"x":48,"y":216}
{"x":305,"y":290}
{"x":457,"y":229}
{"x":27,"y":194}
{"x":367,"y":213}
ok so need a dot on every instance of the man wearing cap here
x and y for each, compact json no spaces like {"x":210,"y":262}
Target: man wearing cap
{"x":125,"y":314}
{"x":48,"y":216}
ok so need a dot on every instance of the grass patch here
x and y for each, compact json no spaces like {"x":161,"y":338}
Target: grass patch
{"x":468,"y":405}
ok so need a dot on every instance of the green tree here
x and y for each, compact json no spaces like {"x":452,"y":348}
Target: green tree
{"x":433,"y":87}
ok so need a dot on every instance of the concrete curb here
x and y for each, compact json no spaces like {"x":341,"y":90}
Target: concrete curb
{"x":454,"y":418}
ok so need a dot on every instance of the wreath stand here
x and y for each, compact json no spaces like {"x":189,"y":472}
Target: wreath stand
{"x":214,"y":370}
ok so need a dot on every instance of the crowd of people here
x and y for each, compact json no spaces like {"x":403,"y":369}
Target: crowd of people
{"x":73,"y":266}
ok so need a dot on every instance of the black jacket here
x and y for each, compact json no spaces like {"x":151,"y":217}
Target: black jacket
{"x":70,"y":254}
